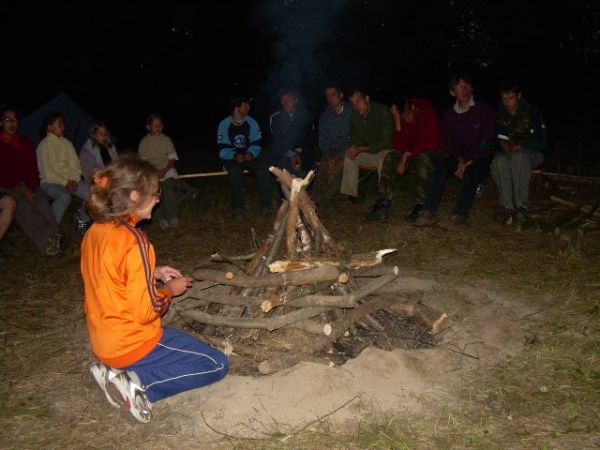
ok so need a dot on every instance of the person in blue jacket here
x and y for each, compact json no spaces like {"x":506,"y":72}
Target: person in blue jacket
{"x":239,"y":141}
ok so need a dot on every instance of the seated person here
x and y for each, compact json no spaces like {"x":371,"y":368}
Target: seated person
{"x":240,"y":148}
{"x":292,"y":136}
{"x":8,"y":206}
{"x":371,"y":131}
{"x":60,"y":171}
{"x":98,"y":151}
{"x":418,"y":141}
{"x":468,"y":133}
{"x":334,"y":140}
{"x":522,"y":138}
{"x":158,"y":149}
{"x":19,"y":181}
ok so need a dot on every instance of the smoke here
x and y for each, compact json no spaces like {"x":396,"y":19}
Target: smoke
{"x":302,"y":35}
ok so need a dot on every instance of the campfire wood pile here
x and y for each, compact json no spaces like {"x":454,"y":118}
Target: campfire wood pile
{"x":574,"y":204}
{"x":318,"y":292}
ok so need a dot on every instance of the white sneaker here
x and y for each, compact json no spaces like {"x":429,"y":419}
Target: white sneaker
{"x":127,"y":386}
{"x":123,"y":389}
{"x":102,"y":374}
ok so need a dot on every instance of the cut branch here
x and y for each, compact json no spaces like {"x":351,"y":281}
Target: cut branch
{"x":275,"y":279}
{"x":270,"y":324}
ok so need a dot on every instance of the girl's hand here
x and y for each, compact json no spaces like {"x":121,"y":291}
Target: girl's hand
{"x":178,"y":286}
{"x":166,"y":273}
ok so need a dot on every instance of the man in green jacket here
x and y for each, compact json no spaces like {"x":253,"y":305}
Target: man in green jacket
{"x":371,"y":130}
{"x":522,"y":138}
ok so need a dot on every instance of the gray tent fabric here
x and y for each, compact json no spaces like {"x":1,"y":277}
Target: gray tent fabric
{"x":77,"y":121}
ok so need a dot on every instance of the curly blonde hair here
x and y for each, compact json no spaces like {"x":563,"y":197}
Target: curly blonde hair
{"x":109,"y":198}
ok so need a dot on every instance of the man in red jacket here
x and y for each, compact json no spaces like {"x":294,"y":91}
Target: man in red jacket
{"x":417,"y":140}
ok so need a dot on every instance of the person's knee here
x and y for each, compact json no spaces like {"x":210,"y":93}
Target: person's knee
{"x":500,"y":162}
{"x":223,"y":361}
{"x":62,"y":198}
{"x":8,"y":205}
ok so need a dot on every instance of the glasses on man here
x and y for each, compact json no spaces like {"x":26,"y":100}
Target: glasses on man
{"x":10,"y":119}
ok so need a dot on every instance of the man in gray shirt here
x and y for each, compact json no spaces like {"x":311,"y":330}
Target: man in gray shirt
{"x":334,"y":140}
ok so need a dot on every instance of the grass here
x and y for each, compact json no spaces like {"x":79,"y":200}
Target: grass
{"x":548,"y":396}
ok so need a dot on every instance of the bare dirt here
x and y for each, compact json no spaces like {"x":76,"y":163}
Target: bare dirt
{"x":522,"y":338}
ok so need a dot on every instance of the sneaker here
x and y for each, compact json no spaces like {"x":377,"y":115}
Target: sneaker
{"x":163,"y":224}
{"x":123,"y":389}
{"x":415,"y":213}
{"x":174,"y":222}
{"x":458,"y":219}
{"x":479,"y":190}
{"x":381,"y":210}
{"x":505,"y":216}
{"x":102,"y":375}
{"x":426,"y":219}
{"x":82,"y":225}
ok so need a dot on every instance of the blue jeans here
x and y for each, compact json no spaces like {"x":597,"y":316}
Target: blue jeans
{"x":178,"y":363}
{"x":61,"y":199}
{"x":474,"y":175}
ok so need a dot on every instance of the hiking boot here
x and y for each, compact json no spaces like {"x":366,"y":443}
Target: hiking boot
{"x":458,"y":219}
{"x":505,"y":216}
{"x":415,"y":213}
{"x":381,"y":210}
{"x":522,"y":214}
{"x":53,"y":247}
{"x":426,"y":219}
{"x":123,"y":389}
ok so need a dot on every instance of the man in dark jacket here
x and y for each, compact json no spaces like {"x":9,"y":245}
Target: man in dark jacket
{"x":468,"y":133}
{"x":293,"y":137}
{"x":522,"y":137}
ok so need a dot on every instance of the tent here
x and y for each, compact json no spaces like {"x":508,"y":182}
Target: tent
{"x":77,"y":121}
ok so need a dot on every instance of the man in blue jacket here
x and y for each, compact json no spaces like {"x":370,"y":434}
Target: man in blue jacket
{"x":239,"y":140}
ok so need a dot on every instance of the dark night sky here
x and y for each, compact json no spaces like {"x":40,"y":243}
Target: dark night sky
{"x":122,"y":60}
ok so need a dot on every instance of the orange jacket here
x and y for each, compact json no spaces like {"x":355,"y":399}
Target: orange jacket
{"x":122,"y":303}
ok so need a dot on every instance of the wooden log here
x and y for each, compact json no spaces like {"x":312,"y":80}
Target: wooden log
{"x":343,"y":301}
{"x":430,"y":317}
{"x":313,"y":327}
{"x":274,"y":279}
{"x":229,"y":347}
{"x":217,"y":257}
{"x":308,"y":211}
{"x":585,"y":209}
{"x":338,"y":328}
{"x":269,"y":324}
{"x":258,"y":259}
{"x":356,"y":262}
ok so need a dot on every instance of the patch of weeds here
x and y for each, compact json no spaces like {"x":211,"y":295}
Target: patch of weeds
{"x":24,"y":407}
